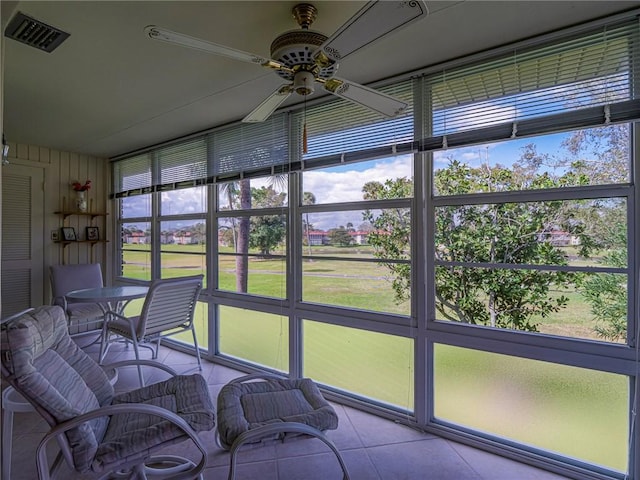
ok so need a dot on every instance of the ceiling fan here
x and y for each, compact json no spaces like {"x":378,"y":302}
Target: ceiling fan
{"x":303,"y":57}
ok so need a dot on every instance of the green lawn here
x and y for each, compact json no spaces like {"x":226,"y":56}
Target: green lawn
{"x":572,"y":411}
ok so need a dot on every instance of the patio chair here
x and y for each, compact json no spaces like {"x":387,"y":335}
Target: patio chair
{"x":168,"y":310}
{"x":261,"y":407}
{"x":96,"y":430}
{"x":82,"y":317}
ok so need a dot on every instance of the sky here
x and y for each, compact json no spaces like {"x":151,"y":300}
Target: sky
{"x":344,"y":183}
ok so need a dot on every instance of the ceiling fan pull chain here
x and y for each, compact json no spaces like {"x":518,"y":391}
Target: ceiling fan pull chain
{"x":305,"y":150}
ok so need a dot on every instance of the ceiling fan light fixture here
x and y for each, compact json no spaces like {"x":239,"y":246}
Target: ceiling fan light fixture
{"x":303,"y":83}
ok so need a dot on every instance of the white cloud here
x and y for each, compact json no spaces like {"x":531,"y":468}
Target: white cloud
{"x":344,"y":183}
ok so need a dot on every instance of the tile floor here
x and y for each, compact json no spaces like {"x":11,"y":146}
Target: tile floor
{"x":373,"y":448}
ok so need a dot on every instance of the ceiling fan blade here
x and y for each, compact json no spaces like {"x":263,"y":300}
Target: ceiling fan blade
{"x":268,"y":106}
{"x":375,"y":20}
{"x":365,"y":96}
{"x":164,"y":35}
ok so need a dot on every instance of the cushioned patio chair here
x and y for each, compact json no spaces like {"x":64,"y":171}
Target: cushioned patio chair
{"x":168,"y":310}
{"x":83,"y":317}
{"x":96,"y":430}
{"x":260,"y":407}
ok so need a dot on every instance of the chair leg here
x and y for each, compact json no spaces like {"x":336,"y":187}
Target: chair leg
{"x":104,"y":342}
{"x":134,"y":340}
{"x":155,"y":354}
{"x":195,"y":344}
{"x":280,"y":428}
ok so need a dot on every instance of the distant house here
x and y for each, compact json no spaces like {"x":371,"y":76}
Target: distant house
{"x":360,"y":237}
{"x":185,"y":238}
{"x":317,"y":237}
{"x":559,"y":238}
{"x":135,"y":238}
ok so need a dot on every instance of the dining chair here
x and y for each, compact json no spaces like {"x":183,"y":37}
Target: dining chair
{"x":98,"y":431}
{"x":168,"y":310}
{"x":82,"y":317}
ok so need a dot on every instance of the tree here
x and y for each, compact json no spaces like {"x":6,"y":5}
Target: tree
{"x":239,"y":195}
{"x":308,"y":198}
{"x":340,"y":236}
{"x":267,"y":231}
{"x":242,"y":241}
{"x":390,"y":232}
{"x":606,"y":293}
{"x":603,"y":154}
{"x":512,"y":233}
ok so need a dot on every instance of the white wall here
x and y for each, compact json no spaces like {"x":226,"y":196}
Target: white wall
{"x":60,"y":170}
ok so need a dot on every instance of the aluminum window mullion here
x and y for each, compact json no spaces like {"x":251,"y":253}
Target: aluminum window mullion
{"x":357,"y":205}
{"x":528,"y":266}
{"x":253,"y":212}
{"x":588,"y":192}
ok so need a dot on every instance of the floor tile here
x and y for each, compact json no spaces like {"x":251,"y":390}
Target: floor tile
{"x":373,"y":448}
{"x":374,"y":430}
{"x":495,"y":467}
{"x":434,"y":459}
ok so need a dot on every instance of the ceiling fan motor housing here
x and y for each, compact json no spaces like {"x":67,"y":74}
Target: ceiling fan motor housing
{"x":295,"y":50}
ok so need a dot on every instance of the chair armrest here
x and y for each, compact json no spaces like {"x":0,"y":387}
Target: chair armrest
{"x":111,"y":410}
{"x":16,"y":315}
{"x":258,"y":376}
{"x":148,"y":363}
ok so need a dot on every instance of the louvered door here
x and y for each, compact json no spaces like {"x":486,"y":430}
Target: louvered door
{"x":22,"y":238}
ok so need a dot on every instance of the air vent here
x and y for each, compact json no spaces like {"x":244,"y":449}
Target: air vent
{"x":35,"y":33}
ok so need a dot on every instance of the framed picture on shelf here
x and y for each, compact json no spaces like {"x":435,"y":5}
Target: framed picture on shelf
{"x":93,"y":233}
{"x":69,"y":234}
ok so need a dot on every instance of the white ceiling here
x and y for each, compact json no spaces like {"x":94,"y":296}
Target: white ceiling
{"x":108,"y":89}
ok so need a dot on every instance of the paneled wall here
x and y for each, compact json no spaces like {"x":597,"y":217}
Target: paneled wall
{"x":60,"y":170}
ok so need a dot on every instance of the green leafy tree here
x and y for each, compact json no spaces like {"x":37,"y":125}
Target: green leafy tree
{"x":513,"y":233}
{"x":308,"y":198}
{"x":266,"y":231}
{"x":390,"y":232}
{"x":340,"y":236}
{"x":606,"y":293}
{"x":603,"y":155}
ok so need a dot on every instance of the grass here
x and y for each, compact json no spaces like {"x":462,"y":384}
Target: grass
{"x":575,"y":412}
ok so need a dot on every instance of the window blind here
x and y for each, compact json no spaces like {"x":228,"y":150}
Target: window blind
{"x":182,"y":162}
{"x":250,"y":147}
{"x":339,"y":126}
{"x":582,"y":72}
{"x":132,"y":174}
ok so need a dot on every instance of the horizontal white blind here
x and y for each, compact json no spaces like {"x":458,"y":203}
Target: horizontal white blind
{"x":578,"y":73}
{"x":181,"y":162}
{"x":250,"y":146}
{"x":340,"y":126}
{"x":132,"y":173}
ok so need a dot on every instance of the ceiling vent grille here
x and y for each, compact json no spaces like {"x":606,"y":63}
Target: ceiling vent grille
{"x":35,"y":33}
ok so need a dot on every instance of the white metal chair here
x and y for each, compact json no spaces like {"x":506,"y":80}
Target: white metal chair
{"x":168,"y":310}
{"x":82,"y":317}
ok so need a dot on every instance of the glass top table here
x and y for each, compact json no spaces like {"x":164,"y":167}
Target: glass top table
{"x":106,"y":294}
{"x":110,"y":299}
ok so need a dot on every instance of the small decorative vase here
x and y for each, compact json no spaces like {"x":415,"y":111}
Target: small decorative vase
{"x":81,"y":201}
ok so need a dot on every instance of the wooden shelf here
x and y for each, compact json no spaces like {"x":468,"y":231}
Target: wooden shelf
{"x":93,"y":215}
{"x":64,"y":243}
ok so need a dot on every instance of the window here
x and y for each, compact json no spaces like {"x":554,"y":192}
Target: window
{"x":467,"y":266}
{"x":252,"y":236}
{"x":350,"y":358}
{"x":257,"y":337}
{"x":573,"y":411}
